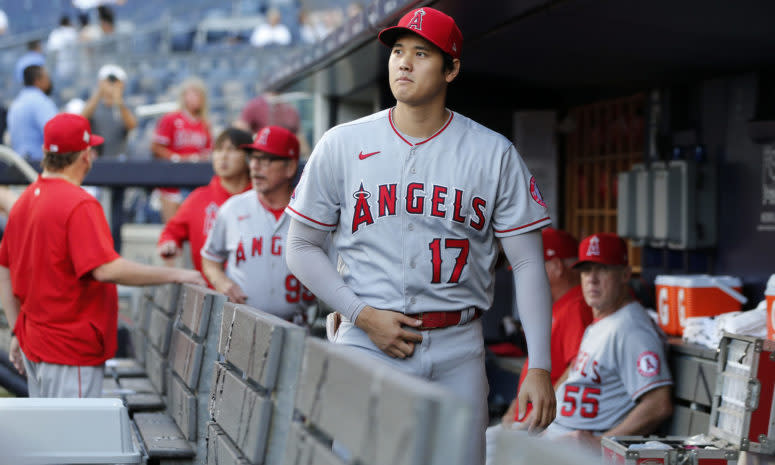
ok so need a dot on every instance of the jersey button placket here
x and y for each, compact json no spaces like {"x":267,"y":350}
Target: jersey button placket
{"x":406,"y":168}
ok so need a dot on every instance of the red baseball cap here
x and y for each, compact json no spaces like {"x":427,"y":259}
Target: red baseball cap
{"x":559,"y":244}
{"x":603,"y":248}
{"x":67,"y":133}
{"x":430,"y":24}
{"x":275,"y":140}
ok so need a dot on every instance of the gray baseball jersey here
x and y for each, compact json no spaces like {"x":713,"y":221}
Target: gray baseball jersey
{"x":415,"y":221}
{"x":621,"y":357}
{"x":251,"y":241}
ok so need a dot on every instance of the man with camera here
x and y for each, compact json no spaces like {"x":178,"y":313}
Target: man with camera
{"x":107,"y":112}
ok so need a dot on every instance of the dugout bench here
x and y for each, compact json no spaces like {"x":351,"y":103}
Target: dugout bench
{"x":274,"y":395}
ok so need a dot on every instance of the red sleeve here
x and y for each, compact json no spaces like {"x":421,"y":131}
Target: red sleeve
{"x":88,"y":238}
{"x":165,"y":130}
{"x":570,"y":330}
{"x":176,"y":228}
{"x":3,"y":254}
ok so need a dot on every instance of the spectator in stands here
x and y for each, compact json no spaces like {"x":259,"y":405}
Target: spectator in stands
{"x":269,"y":110}
{"x":183,"y":135}
{"x":107,"y":20}
{"x":33,"y":57}
{"x":58,"y":271}
{"x":30,"y":112}
{"x":248,"y":237}
{"x":273,"y":32}
{"x":3,"y":22}
{"x":196,"y":215}
{"x":311,"y":30}
{"x":88,"y":32}
{"x":354,"y":9}
{"x":107,"y":112}
{"x":570,"y":317}
{"x":620,"y":383}
{"x":62,"y":41}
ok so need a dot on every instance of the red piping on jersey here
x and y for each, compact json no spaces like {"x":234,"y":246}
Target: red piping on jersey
{"x":523,"y":226}
{"x":310,"y":219}
{"x":390,"y":118}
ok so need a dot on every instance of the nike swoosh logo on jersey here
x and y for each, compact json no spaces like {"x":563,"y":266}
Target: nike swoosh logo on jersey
{"x":243,"y":217}
{"x":364,"y":156}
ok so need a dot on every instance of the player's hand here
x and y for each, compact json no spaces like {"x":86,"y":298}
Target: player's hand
{"x":168,"y":249}
{"x":232,"y":291}
{"x":15,"y":355}
{"x":190,"y":277}
{"x":585,"y":438}
{"x":537,"y":389}
{"x":386,"y":331}
{"x":507,"y":420}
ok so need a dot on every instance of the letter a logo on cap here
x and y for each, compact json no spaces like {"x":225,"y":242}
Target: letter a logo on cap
{"x":594,"y":247}
{"x":263,"y":137}
{"x":416,"y":22}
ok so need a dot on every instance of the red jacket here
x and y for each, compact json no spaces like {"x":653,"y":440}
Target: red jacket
{"x":195,"y":217}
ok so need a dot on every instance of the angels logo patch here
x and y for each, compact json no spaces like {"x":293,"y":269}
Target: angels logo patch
{"x":535,"y":193}
{"x":648,"y":364}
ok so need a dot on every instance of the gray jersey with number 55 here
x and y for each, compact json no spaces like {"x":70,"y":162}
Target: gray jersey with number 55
{"x":621,"y":357}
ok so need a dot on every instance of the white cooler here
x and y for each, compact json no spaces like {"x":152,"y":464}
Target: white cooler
{"x":65,"y":431}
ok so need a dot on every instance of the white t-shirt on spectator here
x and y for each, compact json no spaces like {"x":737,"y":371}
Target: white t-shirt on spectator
{"x":266,"y":34}
{"x":3,"y":22}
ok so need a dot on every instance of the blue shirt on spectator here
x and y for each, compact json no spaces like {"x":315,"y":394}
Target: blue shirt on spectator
{"x":26,"y":117}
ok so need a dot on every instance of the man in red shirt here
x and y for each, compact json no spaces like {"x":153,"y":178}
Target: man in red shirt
{"x":570,"y":317}
{"x":58,"y":270}
{"x":195,"y":217}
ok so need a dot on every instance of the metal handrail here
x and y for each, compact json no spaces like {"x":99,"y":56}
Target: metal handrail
{"x":8,"y":155}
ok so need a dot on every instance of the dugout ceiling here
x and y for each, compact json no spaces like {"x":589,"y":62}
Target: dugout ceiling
{"x":562,"y":47}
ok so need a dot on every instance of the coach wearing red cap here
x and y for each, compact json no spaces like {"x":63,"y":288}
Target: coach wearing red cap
{"x":421,"y":199}
{"x":619,"y":384}
{"x":248,"y":236}
{"x":58,"y":270}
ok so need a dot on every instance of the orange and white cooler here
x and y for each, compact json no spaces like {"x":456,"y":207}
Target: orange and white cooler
{"x":682,"y":296}
{"x":667,"y":303}
{"x":769,"y":294}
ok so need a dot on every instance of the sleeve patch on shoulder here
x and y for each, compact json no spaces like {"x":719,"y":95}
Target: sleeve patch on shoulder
{"x":648,"y":364}
{"x":535,"y":192}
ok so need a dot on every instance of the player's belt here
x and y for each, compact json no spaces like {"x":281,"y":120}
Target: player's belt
{"x":436,"y":320}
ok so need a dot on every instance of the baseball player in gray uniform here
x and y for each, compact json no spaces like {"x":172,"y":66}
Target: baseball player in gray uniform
{"x":619,"y":383}
{"x":249,"y":233}
{"x":416,"y":196}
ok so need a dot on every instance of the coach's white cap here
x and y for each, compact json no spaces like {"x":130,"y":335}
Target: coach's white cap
{"x":111,"y":70}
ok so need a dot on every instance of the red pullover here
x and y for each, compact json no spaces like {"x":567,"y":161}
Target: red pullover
{"x":195,"y":217}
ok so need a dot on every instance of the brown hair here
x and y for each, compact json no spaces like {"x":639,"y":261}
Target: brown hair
{"x":58,"y":161}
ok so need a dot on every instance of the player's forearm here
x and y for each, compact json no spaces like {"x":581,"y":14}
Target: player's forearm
{"x":214,"y":273}
{"x":129,"y":273}
{"x":533,"y":297}
{"x":9,"y":302}
{"x":653,"y":408}
{"x":309,"y":263}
